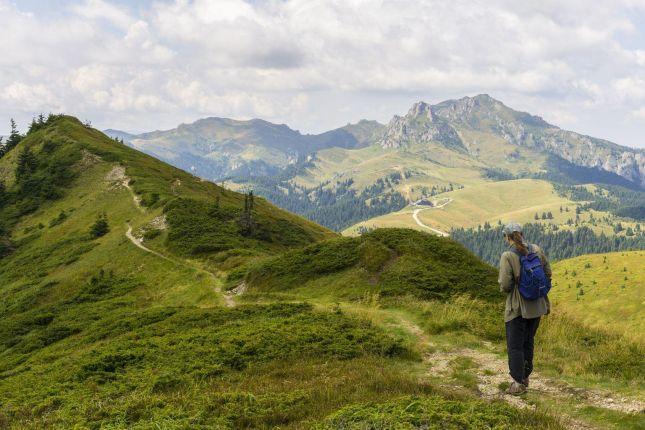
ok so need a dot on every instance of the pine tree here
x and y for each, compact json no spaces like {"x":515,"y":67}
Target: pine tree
{"x":536,"y":216}
{"x":247,"y":214}
{"x":14,"y":138}
{"x":27,"y":163}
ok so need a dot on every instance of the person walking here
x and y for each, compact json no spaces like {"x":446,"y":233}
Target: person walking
{"x":525,"y":277}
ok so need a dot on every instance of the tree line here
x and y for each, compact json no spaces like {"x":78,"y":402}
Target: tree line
{"x":487,"y":241}
{"x":334,"y":205}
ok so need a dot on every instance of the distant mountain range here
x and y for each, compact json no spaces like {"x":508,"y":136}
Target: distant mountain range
{"x":216,"y":148}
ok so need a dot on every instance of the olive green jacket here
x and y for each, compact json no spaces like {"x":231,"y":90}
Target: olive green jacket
{"x":516,"y":305}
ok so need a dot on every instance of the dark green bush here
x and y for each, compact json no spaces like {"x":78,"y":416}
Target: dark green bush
{"x":100,"y":226}
{"x":151,"y":234}
{"x":62,"y":216}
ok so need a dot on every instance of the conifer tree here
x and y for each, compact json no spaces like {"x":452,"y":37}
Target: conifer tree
{"x":26,"y":165}
{"x":14,"y":138}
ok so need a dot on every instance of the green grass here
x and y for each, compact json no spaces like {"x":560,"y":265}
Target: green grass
{"x":603,"y":290}
{"x":515,"y":200}
{"x":104,"y":351}
{"x":436,"y":413}
{"x":389,"y":262}
{"x":98,"y":333}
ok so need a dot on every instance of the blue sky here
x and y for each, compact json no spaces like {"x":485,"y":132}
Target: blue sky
{"x":318,"y":64}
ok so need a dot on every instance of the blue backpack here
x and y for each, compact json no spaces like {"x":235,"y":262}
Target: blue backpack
{"x":533,"y":282}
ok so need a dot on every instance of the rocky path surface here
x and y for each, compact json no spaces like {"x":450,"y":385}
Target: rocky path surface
{"x":118,"y":178}
{"x":491,"y":372}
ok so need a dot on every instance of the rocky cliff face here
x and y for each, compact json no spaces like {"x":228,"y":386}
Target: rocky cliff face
{"x":442,"y":123}
{"x":420,"y":125}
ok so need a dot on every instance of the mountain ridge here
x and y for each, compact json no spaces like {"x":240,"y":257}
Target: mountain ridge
{"x":216,"y":147}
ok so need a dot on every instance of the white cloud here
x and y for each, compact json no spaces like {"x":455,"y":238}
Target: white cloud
{"x":317,"y":63}
{"x":100,"y":9}
{"x":640,"y":113}
{"x":29,"y":96}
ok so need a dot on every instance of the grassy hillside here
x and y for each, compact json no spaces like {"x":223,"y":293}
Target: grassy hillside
{"x":398,"y":278}
{"x":386,"y":262}
{"x":113,"y":312}
{"x":604,"y":290}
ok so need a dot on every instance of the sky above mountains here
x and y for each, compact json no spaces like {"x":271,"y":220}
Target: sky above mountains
{"x":315,"y":65}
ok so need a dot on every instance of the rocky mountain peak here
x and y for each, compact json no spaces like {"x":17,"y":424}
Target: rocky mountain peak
{"x":420,"y":125}
{"x":420,"y":109}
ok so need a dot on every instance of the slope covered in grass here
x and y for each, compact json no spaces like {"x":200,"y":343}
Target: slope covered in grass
{"x":604,"y":290}
{"x":489,"y":202}
{"x":91,"y":319}
{"x":389,"y":262}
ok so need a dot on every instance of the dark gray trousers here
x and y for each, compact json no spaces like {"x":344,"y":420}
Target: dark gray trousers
{"x":519,"y":343}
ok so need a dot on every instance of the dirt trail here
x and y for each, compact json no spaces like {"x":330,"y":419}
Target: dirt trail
{"x":228,"y":297}
{"x":492,"y":371}
{"x":118,"y":178}
{"x":415,"y":216}
{"x":139,"y":243}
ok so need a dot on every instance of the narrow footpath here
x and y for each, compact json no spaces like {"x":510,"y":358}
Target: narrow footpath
{"x":118,"y":178}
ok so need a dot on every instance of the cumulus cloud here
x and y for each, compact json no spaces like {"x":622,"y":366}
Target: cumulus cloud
{"x":315,"y":64}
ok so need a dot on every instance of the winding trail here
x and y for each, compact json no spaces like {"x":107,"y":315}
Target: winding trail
{"x":118,"y":177}
{"x":415,"y":216}
{"x":139,"y":243}
{"x":228,"y":298}
{"x":491,"y":372}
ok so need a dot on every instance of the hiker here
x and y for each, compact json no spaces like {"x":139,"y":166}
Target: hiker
{"x":525,"y":277}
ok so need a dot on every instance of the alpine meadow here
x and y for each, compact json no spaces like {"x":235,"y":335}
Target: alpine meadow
{"x":175,"y":253}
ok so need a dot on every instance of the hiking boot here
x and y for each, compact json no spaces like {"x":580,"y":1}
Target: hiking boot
{"x":516,"y":389}
{"x":525,"y":382}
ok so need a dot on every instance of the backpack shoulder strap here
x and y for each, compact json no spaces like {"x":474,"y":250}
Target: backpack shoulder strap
{"x":519,"y":255}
